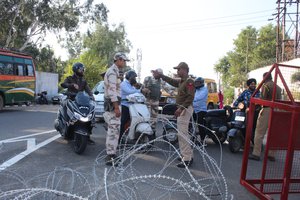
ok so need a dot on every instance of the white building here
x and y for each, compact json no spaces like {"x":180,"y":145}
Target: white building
{"x":287,"y":73}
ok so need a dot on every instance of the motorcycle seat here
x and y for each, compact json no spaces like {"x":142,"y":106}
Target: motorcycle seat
{"x":216,"y":113}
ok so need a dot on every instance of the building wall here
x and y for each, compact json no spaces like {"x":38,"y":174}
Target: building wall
{"x":286,"y":72}
{"x":46,"y":81}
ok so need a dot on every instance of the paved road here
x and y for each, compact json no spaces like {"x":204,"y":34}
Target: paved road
{"x":36,"y":163}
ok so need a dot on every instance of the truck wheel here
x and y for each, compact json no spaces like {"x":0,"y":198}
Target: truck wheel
{"x":1,"y":102}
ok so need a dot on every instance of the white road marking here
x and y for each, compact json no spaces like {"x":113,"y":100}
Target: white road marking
{"x":26,"y":136}
{"x":31,"y":147}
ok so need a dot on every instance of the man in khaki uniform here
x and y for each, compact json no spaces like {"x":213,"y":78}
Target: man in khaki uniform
{"x":112,"y":113}
{"x":184,"y":100}
{"x":263,"y":118}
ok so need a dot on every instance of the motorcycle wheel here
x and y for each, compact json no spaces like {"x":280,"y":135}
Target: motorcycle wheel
{"x":170,"y":135}
{"x":79,"y":143}
{"x":235,"y":144}
{"x":218,"y":139}
{"x":145,"y":139}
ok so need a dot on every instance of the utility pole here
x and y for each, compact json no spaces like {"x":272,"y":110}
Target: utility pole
{"x":139,"y":64}
{"x":287,"y":38}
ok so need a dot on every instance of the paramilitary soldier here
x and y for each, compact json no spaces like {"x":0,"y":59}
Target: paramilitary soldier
{"x":112,"y":113}
{"x":184,"y":100}
{"x":151,"y":89}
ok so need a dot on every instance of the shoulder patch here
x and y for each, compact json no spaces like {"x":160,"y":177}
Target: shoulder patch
{"x":190,"y":85}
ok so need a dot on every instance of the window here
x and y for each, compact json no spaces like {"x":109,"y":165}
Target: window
{"x":212,"y":87}
{"x":20,"y":70}
{"x":8,"y":69}
{"x":2,"y":67}
{"x":29,"y":70}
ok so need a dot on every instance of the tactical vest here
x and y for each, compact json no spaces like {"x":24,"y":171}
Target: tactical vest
{"x":154,"y":87}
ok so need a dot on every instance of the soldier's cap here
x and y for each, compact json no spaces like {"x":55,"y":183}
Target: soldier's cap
{"x":159,"y":70}
{"x":120,"y":55}
{"x":182,"y":65}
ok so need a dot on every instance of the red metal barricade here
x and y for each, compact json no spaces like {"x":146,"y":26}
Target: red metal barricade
{"x":281,"y":178}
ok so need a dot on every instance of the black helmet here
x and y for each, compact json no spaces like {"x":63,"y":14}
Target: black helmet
{"x":130,"y":74}
{"x":78,"y":68}
{"x":251,"y":80}
{"x":199,"y":82}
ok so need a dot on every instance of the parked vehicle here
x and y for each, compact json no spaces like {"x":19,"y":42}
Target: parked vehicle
{"x":98,"y":92}
{"x":76,"y":121}
{"x":216,"y":122}
{"x":57,"y":99}
{"x":17,"y":78}
{"x":139,"y":130}
{"x":42,"y":98}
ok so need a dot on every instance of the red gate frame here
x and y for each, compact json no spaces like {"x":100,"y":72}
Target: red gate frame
{"x":289,"y":121}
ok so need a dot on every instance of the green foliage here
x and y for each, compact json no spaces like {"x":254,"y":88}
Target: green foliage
{"x":100,"y":46}
{"x":105,"y":42}
{"x":228,"y":95}
{"x":223,"y":67}
{"x":295,"y":77}
{"x":24,"y":23}
{"x":94,"y":66}
{"x":252,"y":49}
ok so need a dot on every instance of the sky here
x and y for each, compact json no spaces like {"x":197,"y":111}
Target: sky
{"x":197,"y":32}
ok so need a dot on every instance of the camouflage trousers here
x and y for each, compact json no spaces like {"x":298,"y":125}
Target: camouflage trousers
{"x":153,"y":109}
{"x":113,"y":131}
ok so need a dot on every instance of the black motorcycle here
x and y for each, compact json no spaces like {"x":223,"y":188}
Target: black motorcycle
{"x":237,"y":133}
{"x":216,"y":123}
{"x":75,"y":119}
{"x":42,"y":98}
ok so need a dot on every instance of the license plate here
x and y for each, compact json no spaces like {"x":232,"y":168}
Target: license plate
{"x":239,"y":118}
{"x":55,"y":99}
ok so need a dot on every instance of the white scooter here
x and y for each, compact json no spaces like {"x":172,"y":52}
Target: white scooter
{"x":140,"y":128}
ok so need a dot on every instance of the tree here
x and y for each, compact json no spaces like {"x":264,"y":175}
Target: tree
{"x":265,"y":51}
{"x":25,"y":22}
{"x":252,"y":49}
{"x":105,"y":42}
{"x":295,"y":77}
{"x":99,"y":49}
{"x":223,"y":67}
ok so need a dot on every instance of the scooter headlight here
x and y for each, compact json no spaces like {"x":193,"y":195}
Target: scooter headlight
{"x":81,"y":118}
{"x":77,"y":115}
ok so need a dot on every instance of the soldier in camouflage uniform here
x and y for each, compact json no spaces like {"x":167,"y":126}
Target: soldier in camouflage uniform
{"x":151,"y":89}
{"x":184,"y":100}
{"x":112,"y":113}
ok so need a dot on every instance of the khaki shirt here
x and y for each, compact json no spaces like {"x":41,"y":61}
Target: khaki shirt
{"x":112,"y":83}
{"x":186,"y":90}
{"x":267,"y":91}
